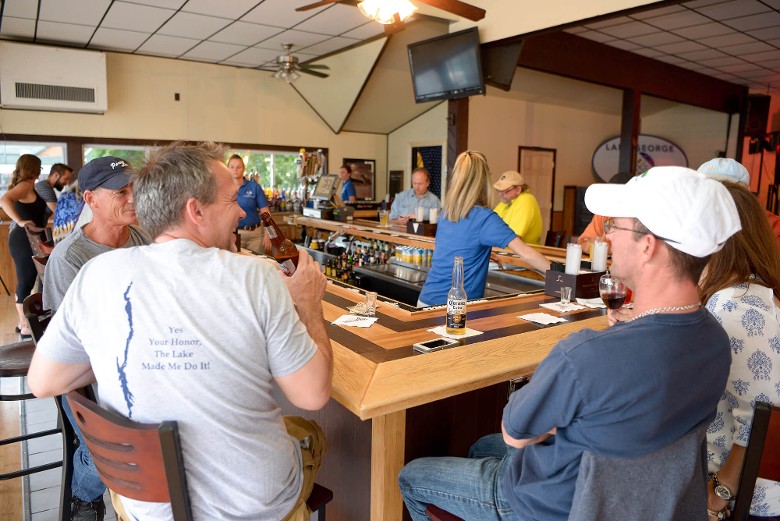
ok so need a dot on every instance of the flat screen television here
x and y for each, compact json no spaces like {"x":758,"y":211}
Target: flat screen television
{"x":325,"y":187}
{"x":447,"y":67}
{"x":500,"y":63}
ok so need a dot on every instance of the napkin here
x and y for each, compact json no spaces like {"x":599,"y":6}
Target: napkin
{"x":542,"y":318}
{"x":592,"y":302}
{"x":442,"y":331}
{"x":360,"y":308}
{"x":562,"y":308}
{"x":354,"y":321}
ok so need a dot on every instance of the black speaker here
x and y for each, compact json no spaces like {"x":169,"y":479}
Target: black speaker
{"x":757,"y":115}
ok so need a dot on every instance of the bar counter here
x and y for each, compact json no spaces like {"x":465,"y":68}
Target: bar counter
{"x":391,"y":405}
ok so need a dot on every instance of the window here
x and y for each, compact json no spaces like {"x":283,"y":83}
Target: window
{"x":135,"y":155}
{"x":49,"y":153}
{"x":270,"y":169}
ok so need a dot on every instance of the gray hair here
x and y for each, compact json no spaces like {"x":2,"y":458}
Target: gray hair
{"x":171,"y":176}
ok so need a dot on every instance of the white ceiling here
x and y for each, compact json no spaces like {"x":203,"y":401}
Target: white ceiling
{"x":733,"y":40}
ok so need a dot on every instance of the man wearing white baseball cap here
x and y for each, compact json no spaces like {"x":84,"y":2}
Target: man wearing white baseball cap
{"x":627,"y":391}
{"x":727,"y":169}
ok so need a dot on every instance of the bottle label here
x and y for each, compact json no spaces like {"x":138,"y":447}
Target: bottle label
{"x":271,"y":232}
{"x":456,"y":314}
{"x":288,"y":267}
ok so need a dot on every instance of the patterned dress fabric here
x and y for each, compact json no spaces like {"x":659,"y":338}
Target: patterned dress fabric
{"x":752,"y":320}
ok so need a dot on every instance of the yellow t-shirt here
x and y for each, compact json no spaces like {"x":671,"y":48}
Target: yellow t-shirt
{"x":523,"y":216}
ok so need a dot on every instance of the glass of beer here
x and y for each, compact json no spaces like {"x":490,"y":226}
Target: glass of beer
{"x":384,"y":217}
{"x":612,"y":291}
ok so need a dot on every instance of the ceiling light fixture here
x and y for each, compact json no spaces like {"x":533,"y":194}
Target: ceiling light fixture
{"x":385,"y":11}
{"x":288,"y":75}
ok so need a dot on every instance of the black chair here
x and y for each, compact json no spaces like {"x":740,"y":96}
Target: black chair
{"x":555,"y":239}
{"x":144,"y":461}
{"x":762,"y":457}
{"x":39,"y":318}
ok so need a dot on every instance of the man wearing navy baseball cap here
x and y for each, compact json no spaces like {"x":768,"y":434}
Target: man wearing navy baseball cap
{"x":107,"y":188}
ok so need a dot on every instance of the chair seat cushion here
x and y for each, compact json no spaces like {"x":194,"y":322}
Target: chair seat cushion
{"x":15,"y":358}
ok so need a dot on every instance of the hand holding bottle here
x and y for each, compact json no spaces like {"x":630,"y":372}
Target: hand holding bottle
{"x":307,"y":286}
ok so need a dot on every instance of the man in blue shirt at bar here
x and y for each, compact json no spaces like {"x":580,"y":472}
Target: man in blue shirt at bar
{"x":406,"y":203}
{"x":627,"y":391}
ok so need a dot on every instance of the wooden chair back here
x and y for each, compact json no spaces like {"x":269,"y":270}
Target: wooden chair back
{"x":40,"y":264}
{"x":37,"y":317}
{"x":136,"y":460}
{"x":555,"y":239}
{"x":762,"y":457}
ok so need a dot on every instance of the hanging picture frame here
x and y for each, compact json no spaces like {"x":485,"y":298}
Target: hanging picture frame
{"x":363,"y":176}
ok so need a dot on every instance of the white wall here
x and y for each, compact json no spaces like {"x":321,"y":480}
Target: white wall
{"x":218,"y":103}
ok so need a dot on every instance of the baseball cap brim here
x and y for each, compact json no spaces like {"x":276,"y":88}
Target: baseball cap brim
{"x":116,"y":182}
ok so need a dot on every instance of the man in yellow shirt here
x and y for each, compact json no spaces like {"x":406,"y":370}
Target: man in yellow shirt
{"x":519,"y":208}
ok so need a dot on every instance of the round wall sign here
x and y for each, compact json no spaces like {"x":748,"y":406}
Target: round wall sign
{"x":651,"y":151}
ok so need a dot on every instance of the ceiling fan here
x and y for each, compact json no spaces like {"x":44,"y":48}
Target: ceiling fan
{"x":287,"y":66}
{"x":392,"y":13}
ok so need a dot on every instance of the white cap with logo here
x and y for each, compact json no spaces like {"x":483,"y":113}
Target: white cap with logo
{"x":726,"y":169}
{"x":692,"y":212}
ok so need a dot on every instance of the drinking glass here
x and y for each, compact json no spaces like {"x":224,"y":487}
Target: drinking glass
{"x":370,"y":302}
{"x":384,"y":216}
{"x":565,"y":295}
{"x":612,"y":291}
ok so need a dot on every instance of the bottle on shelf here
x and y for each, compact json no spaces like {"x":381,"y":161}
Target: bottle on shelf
{"x":283,"y":249}
{"x":456,"y":301}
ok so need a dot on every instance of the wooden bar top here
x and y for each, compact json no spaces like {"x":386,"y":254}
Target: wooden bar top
{"x":376,"y":371}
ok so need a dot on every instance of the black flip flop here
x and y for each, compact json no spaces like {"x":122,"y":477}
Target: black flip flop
{"x":17,"y":329}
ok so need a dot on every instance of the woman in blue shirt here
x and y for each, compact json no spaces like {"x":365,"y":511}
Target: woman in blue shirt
{"x":469,"y":228}
{"x":347,"y":193}
{"x":252,"y":200}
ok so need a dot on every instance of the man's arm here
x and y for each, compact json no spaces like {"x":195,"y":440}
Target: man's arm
{"x":309,"y":387}
{"x":48,"y":377}
{"x":513,"y":442}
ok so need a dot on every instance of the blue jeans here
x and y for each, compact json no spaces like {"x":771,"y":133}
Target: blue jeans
{"x":85,"y":484}
{"x":471,"y":488}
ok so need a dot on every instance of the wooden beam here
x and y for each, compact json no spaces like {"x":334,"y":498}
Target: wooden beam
{"x":629,"y":131}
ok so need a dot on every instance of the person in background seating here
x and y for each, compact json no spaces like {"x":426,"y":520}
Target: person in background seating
{"x":595,"y":390}
{"x":405,"y":204}
{"x":518,"y":207}
{"x":741,"y":288}
{"x":49,"y":189}
{"x":186,"y":330}
{"x":251,"y":199}
{"x":347,"y":190}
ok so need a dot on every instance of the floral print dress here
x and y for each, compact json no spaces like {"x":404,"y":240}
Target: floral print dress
{"x":752,"y":320}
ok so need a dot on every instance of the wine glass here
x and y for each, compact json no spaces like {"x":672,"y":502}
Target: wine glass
{"x":612,"y":291}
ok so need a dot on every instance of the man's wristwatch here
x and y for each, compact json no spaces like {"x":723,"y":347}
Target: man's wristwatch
{"x":721,"y":490}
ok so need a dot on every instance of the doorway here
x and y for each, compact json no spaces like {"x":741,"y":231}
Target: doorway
{"x":538,"y":168}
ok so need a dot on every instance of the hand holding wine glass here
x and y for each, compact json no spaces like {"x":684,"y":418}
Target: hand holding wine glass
{"x":612,"y":291}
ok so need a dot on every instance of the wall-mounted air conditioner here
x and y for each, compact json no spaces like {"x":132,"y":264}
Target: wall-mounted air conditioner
{"x":36,"y":77}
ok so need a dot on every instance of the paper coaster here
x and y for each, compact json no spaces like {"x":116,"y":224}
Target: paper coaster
{"x":442,"y":331}
{"x":354,"y":321}
{"x":562,"y":308}
{"x":542,"y":318}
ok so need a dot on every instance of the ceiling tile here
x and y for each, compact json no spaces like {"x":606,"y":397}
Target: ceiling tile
{"x":726,"y":40}
{"x":134,"y":17}
{"x":188,"y":25}
{"x":619,"y":20}
{"x":703,"y":55}
{"x":243,"y":33}
{"x":760,"y":57}
{"x":767,"y":34}
{"x":677,"y":20}
{"x":280,"y":13}
{"x":17,"y":28}
{"x":598,"y":36}
{"x":703,"y":31}
{"x":674,"y":60}
{"x":299,"y":39}
{"x":69,"y":33}
{"x":657,"y":12}
{"x":652,"y":40}
{"x":213,"y":51}
{"x":87,"y":12}
{"x":701,"y":3}
{"x":629,"y":30}
{"x":328,"y":46}
{"x":625,"y":45}
{"x":744,"y":68}
{"x":680,"y":47}
{"x":365,"y":31}
{"x":746,"y":48}
{"x":232,"y":9}
{"x":334,"y":21}
{"x":164,"y":4}
{"x":758,"y":21}
{"x":774,"y":4}
{"x":721,"y":60}
{"x":116,"y":39}
{"x":733,"y":9}
{"x":253,"y":57}
{"x":160,"y":45}
{"x":576,"y":30}
{"x":20,"y":9}
{"x":650,"y":53}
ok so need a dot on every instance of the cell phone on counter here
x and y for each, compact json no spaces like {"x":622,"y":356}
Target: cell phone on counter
{"x":429,"y":346}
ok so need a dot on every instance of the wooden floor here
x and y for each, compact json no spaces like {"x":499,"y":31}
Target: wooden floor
{"x":10,"y":457}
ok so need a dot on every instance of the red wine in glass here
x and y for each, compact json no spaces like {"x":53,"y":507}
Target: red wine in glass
{"x":613,"y":300}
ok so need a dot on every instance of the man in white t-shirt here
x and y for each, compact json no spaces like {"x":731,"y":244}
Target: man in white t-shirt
{"x":186,"y":330}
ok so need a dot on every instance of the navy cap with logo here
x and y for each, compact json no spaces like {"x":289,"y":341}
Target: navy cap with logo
{"x":105,"y":172}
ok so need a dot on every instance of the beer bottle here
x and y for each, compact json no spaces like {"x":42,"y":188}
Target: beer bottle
{"x":283,"y":250}
{"x":456,"y":301}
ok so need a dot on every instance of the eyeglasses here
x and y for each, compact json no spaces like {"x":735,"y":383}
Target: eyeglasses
{"x":609,"y":227}
{"x":504,"y":192}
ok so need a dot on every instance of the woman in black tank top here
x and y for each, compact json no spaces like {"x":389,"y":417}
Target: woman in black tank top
{"x":23,"y":206}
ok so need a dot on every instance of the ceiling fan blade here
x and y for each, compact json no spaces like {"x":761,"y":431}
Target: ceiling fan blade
{"x":314,"y":73}
{"x":315,"y":66}
{"x":317,"y":4}
{"x":459,"y":8}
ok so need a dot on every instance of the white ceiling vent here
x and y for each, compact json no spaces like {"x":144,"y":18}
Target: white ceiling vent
{"x":35,"y":77}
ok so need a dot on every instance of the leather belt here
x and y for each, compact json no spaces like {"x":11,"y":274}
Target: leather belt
{"x":249,"y":228}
